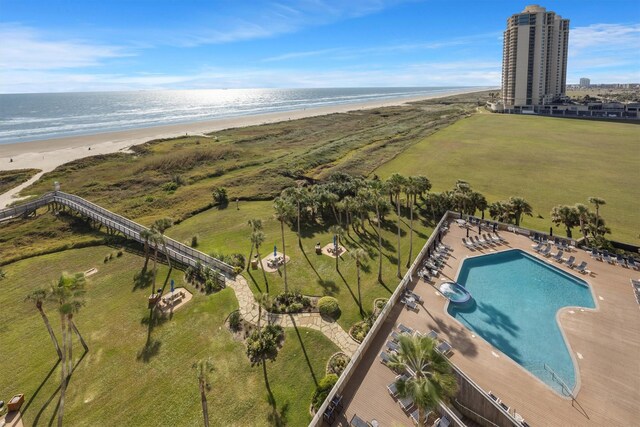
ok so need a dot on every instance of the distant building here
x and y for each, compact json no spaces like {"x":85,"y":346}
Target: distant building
{"x":585,"y":82}
{"x":534,"y":61}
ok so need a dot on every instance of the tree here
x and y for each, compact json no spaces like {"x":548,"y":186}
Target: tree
{"x":412,"y":188}
{"x":597,"y":201}
{"x":338,"y":232}
{"x":376,"y":196}
{"x":257,"y":239}
{"x":347,"y":205}
{"x":146,"y":235}
{"x":283,"y":212}
{"x":430,"y":380}
{"x":565,"y":215}
{"x":500,"y":211}
{"x":155,"y":238}
{"x":220,"y":196}
{"x":358,"y":255}
{"x":298,"y":195}
{"x":38,"y":296}
{"x":204,"y":368}
{"x":256,"y":225}
{"x":67,"y":293}
{"x":161,"y":225}
{"x":395,"y":184}
{"x":582,"y":212}
{"x":518,"y":207}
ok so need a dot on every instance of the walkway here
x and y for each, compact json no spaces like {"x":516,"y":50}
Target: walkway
{"x":249,"y":311}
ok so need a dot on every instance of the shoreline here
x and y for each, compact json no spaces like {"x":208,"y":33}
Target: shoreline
{"x":48,"y":154}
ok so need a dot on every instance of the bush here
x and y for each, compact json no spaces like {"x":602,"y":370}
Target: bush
{"x":328,"y":306}
{"x":324,"y":387}
{"x":194,"y":241}
{"x":3,"y":274}
{"x":119,"y":254}
{"x":234,"y":320}
{"x":265,"y":345}
{"x":290,"y":302}
{"x":337,"y":363}
{"x":170,"y":186}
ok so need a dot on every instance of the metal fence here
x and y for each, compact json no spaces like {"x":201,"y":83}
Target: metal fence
{"x":176,"y":250}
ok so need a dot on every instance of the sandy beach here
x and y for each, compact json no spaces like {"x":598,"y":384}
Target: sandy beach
{"x":48,"y":154}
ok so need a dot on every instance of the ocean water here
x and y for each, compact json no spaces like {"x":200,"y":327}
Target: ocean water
{"x":27,"y":117}
{"x":515,"y":299}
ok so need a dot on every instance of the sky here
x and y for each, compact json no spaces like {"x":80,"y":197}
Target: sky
{"x":95,"y":45}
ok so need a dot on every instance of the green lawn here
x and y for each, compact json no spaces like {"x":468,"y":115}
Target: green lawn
{"x":227,"y":231}
{"x":116,"y":383}
{"x":545,"y":160}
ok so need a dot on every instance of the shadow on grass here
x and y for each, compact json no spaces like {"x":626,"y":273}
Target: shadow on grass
{"x":253,"y":280}
{"x":311,"y":265}
{"x":44,"y":381}
{"x":355,"y":299}
{"x":150,"y":349}
{"x":304,"y":350}
{"x":275,"y":417}
{"x":329,"y":286}
{"x":143,"y":279}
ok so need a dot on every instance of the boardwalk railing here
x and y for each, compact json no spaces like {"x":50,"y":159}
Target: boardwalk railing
{"x":132,"y":230}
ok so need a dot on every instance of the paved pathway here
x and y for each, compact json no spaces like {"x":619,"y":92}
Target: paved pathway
{"x":249,"y":311}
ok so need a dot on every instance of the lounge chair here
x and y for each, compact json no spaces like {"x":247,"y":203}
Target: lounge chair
{"x":444,"y":348}
{"x":356,"y":421}
{"x":499,"y":237}
{"x":477,"y":241}
{"x":393,"y":346}
{"x":621,"y":261}
{"x":582,"y":268}
{"x":504,"y":406}
{"x":493,"y":397}
{"x":414,"y":296}
{"x":409,"y":304}
{"x":414,"y":416}
{"x":558,"y":256}
{"x":384,"y":358}
{"x":538,"y":247}
{"x":405,"y":403}
{"x":466,"y":244}
{"x":442,"y":422}
{"x":606,"y":257}
{"x":546,"y":251}
{"x":632,"y":263}
{"x":392,"y":389}
{"x":432,"y":334}
{"x":405,"y":329}
{"x":489,"y":239}
{"x":570,"y":262}
{"x":595,"y":255}
{"x":483,"y":242}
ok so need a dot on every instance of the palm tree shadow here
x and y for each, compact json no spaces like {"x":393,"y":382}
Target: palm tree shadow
{"x":39,"y":414}
{"x":329,"y":286}
{"x":304,"y":350}
{"x":35,"y":393}
{"x":275,"y":417}
{"x":311,"y":265}
{"x":150,"y":349}
{"x":355,"y":299}
{"x":253,"y":280}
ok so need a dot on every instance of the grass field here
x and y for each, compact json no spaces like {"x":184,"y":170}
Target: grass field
{"x":548,"y":161}
{"x":227,"y":231}
{"x":116,"y":383}
{"x":12,"y":178}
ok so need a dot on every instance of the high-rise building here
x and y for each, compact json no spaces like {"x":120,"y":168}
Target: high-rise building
{"x":534,"y":57}
{"x":585,"y":82}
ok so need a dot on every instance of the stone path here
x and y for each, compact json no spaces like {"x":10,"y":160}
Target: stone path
{"x":249,"y":311}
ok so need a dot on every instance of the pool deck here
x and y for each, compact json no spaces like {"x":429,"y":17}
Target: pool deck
{"x":604,"y":342}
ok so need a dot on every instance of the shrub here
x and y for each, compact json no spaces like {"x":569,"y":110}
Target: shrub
{"x":328,"y":306}
{"x":3,"y":274}
{"x":194,"y":241}
{"x":170,"y":186}
{"x":234,"y":320}
{"x":264,"y":345}
{"x":119,"y":254}
{"x":220,"y":196}
{"x":324,"y":387}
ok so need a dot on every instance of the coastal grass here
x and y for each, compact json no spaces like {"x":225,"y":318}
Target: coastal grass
{"x":548,"y":161}
{"x":146,"y":383}
{"x":13,"y":178}
{"x":226,"y":231}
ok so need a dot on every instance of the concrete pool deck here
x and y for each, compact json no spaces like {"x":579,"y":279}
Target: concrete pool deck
{"x":605,"y":344}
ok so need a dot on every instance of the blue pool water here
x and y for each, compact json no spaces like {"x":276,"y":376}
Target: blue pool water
{"x":515,"y":301}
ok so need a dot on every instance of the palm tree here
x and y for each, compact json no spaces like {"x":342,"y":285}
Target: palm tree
{"x":359,"y":255}
{"x":204,"y":367}
{"x":565,"y":215}
{"x":395,"y":184}
{"x":67,"y":293}
{"x":155,"y":238}
{"x":146,"y":235}
{"x":582,"y":211}
{"x":519,"y":207}
{"x":346,"y":205}
{"x":338,"y":232}
{"x":597,"y":201}
{"x":256,"y":225}
{"x":283,"y":211}
{"x":299,"y":195}
{"x":257,"y":238}
{"x":423,"y":185}
{"x":412,"y":188}
{"x":38,"y":296}
{"x":430,"y":380}
{"x":376,"y":196}
{"x":161,"y":225}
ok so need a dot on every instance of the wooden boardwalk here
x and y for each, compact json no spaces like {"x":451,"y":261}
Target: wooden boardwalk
{"x":605,"y":343}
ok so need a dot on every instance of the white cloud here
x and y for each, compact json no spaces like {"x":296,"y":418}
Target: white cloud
{"x":467,"y":73}
{"x":24,"y":48}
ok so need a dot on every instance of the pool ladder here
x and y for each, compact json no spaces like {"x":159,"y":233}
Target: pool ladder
{"x":559,"y":380}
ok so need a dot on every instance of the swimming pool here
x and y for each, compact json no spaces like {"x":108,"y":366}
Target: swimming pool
{"x":515,"y":301}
